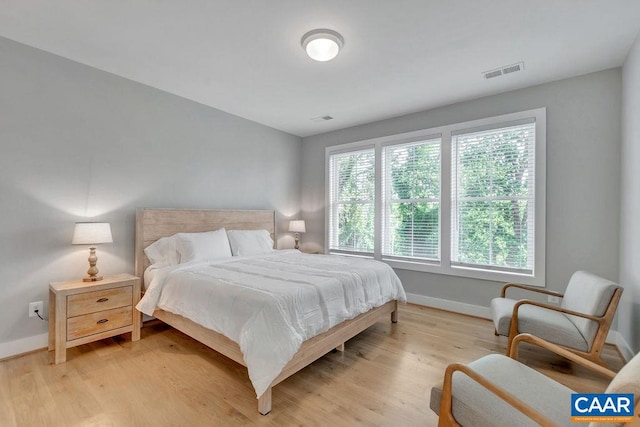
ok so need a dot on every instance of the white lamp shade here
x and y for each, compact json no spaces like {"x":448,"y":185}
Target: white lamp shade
{"x":91,"y":233}
{"x":297,"y":226}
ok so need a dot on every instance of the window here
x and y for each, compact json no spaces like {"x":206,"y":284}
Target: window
{"x":466,"y":199}
{"x":412,"y":200}
{"x":492,"y":198}
{"x":352,"y":201}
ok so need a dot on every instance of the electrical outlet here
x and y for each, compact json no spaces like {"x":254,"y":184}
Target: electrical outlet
{"x":33,"y":306}
{"x":553,"y":299}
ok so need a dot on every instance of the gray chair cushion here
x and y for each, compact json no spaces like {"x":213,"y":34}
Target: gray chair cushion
{"x":626,"y":381}
{"x":589,"y":294}
{"x":550,"y":325}
{"x":473,"y":405}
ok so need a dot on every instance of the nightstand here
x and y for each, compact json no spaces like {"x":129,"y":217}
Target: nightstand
{"x":83,"y":312}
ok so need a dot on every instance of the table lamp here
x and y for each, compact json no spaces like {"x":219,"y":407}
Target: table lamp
{"x":297,"y":226}
{"x":92,"y":233}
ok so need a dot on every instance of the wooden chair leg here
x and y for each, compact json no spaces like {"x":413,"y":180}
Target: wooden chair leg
{"x":509,"y":345}
{"x":513,"y":329}
{"x":446,"y":418}
{"x":593,"y":356}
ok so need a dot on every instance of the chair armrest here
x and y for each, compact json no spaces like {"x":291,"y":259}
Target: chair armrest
{"x":517,"y":305}
{"x":560,"y":351}
{"x":446,"y":409}
{"x":529,"y":288}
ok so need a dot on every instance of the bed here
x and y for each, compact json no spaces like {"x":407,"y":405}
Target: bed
{"x":154,"y":224}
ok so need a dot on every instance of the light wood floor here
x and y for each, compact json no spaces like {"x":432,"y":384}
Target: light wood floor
{"x":167,"y":379}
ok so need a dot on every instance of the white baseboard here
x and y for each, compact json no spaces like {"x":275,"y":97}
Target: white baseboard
{"x":444,"y":304}
{"x":616,"y":338}
{"x":23,"y":345}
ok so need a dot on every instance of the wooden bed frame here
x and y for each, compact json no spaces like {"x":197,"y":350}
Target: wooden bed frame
{"x":152,"y":224}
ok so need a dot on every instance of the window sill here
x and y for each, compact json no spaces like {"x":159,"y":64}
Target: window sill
{"x":472,"y":273}
{"x":352,"y":254}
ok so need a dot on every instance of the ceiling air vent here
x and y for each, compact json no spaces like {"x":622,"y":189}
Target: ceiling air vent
{"x":321,"y":119}
{"x":513,"y":68}
{"x":507,"y":69}
{"x":492,"y":74}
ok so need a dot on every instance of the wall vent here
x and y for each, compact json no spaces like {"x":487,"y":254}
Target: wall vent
{"x":321,"y":119}
{"x":507,"y":69}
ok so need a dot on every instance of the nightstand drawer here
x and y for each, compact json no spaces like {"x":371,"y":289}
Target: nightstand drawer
{"x":89,"y":324}
{"x":91,"y":302}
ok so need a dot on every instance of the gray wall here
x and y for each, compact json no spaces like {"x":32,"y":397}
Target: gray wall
{"x":583,"y":179}
{"x":629,"y":315}
{"x":77,"y":142}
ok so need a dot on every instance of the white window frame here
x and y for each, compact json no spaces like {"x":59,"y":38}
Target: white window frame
{"x":329,"y":206}
{"x":537,"y":278}
{"x":385,"y":192}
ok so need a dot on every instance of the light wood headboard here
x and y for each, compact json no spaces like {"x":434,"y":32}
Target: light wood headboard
{"x":152,"y":224}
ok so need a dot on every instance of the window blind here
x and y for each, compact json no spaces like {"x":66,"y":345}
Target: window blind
{"x":493,"y":179}
{"x":352,"y":201}
{"x":411,"y":198}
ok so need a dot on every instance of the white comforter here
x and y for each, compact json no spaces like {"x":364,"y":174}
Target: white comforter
{"x":269,"y":304}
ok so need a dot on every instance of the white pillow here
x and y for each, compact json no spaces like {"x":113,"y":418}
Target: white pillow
{"x":250,"y":242}
{"x":209,"y":245}
{"x":163,"y":251}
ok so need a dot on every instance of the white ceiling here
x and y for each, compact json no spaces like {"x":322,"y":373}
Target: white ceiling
{"x":244,"y":56}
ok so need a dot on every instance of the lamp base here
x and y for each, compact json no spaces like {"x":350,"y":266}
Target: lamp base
{"x":93,"y":270}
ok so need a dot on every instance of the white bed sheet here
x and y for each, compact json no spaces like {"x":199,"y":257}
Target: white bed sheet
{"x":269,"y":304}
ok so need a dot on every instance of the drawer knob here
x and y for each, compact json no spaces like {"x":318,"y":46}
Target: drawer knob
{"x":103,"y":300}
{"x":102,"y":321}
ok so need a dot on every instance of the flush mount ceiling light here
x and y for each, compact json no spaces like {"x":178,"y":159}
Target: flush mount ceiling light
{"x":322,"y":44}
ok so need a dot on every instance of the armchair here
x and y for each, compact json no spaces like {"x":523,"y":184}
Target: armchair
{"x":580,"y":323}
{"x":496,"y":390}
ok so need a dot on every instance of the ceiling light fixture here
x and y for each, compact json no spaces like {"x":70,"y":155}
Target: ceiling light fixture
{"x":322,"y":44}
